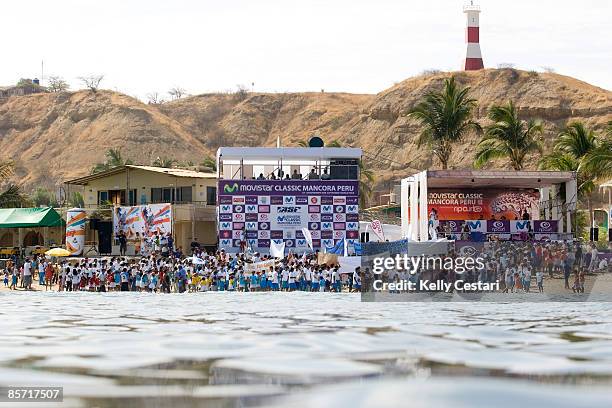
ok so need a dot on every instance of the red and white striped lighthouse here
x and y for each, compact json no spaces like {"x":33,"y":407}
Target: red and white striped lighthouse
{"x":473,"y":57}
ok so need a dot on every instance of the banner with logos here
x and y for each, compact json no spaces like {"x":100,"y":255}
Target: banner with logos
{"x":75,"y":230}
{"x":377,"y":228}
{"x":266,"y":211}
{"x":474,"y":204}
{"x":502,"y":226}
{"x":261,"y":266}
{"x":144,"y":220}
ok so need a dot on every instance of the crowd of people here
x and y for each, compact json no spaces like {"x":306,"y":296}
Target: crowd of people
{"x":515,"y":265}
{"x":201,"y":272}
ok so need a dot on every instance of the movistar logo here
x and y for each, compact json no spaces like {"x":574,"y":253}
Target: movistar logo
{"x":230,"y":189}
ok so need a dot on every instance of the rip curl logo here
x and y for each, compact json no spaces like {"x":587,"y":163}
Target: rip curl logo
{"x":230,"y":189}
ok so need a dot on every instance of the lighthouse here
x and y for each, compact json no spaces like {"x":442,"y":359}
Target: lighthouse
{"x":473,"y":57}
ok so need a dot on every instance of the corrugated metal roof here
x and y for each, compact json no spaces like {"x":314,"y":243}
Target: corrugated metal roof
{"x":120,"y":169}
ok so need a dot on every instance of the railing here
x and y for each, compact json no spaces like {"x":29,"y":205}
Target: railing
{"x":104,"y":207}
{"x":318,"y":172}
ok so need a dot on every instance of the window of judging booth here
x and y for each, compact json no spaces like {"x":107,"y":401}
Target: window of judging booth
{"x":302,"y":170}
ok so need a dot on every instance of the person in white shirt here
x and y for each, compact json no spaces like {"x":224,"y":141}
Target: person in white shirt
{"x":291,"y":279}
{"x":308,"y":278}
{"x":102,"y":280}
{"x":540,"y":280}
{"x":285,"y":279}
{"x":27,"y":274}
{"x":76,"y":279}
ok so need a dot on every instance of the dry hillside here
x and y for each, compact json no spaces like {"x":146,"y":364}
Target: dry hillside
{"x":53,"y":137}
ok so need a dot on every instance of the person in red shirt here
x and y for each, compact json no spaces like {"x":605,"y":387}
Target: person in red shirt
{"x":48,"y":276}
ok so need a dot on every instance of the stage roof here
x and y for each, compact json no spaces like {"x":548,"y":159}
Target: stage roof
{"x":291,"y":153}
{"x":496,"y":178}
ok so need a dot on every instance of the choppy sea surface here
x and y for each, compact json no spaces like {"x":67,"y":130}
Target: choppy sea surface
{"x":304,"y":350}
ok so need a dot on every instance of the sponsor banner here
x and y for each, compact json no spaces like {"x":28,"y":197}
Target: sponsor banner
{"x":145,"y":220}
{"x":329,"y":188}
{"x":466,"y":204}
{"x":262,"y":266}
{"x":278,"y":211}
{"x":455,"y":226}
{"x":477,"y":225}
{"x":546,"y":227}
{"x":377,"y":229}
{"x":517,"y":227}
{"x":502,"y":226}
{"x":498,"y":227}
{"x":75,"y":230}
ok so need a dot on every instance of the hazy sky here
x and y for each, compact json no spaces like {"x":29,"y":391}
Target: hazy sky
{"x":143,"y":46}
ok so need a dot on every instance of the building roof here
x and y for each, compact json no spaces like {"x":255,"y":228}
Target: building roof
{"x":120,"y":169}
{"x":30,"y":218}
{"x":496,"y":178}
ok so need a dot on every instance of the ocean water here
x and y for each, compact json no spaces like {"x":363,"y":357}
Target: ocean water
{"x":304,"y":349}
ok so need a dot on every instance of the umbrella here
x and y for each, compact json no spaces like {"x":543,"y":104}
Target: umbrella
{"x":58,"y":252}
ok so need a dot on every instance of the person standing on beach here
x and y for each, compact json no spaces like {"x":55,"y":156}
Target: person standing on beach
{"x":14,"y":272}
{"x":122,"y":243}
{"x":540,"y":281}
{"x":27,"y":274}
{"x":48,"y":276}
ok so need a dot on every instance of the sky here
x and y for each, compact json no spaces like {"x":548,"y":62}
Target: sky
{"x":146,"y":46}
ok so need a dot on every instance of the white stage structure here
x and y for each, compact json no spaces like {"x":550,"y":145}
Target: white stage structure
{"x":414,"y":194}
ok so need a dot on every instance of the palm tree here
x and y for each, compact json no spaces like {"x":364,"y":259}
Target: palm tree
{"x":508,"y":137}
{"x":366,"y":179}
{"x":579,"y":149}
{"x":12,"y":195}
{"x":165,"y":162}
{"x":113,"y":159}
{"x":446,"y":117}
{"x":598,"y":162}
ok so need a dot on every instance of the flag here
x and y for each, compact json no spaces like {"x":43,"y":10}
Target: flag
{"x":337,"y":249}
{"x":307,"y":237}
{"x":277,"y":250}
{"x":357,"y":247}
{"x":377,"y":228}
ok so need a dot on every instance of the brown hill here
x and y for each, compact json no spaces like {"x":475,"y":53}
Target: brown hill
{"x":53,"y":137}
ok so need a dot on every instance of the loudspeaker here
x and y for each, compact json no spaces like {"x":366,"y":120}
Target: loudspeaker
{"x":594,"y":234}
{"x":93,"y":223}
{"x":105,"y":236}
{"x":610,"y":235}
{"x":365,"y":237}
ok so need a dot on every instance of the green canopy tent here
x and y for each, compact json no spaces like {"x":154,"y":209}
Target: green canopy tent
{"x":30,"y":218}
